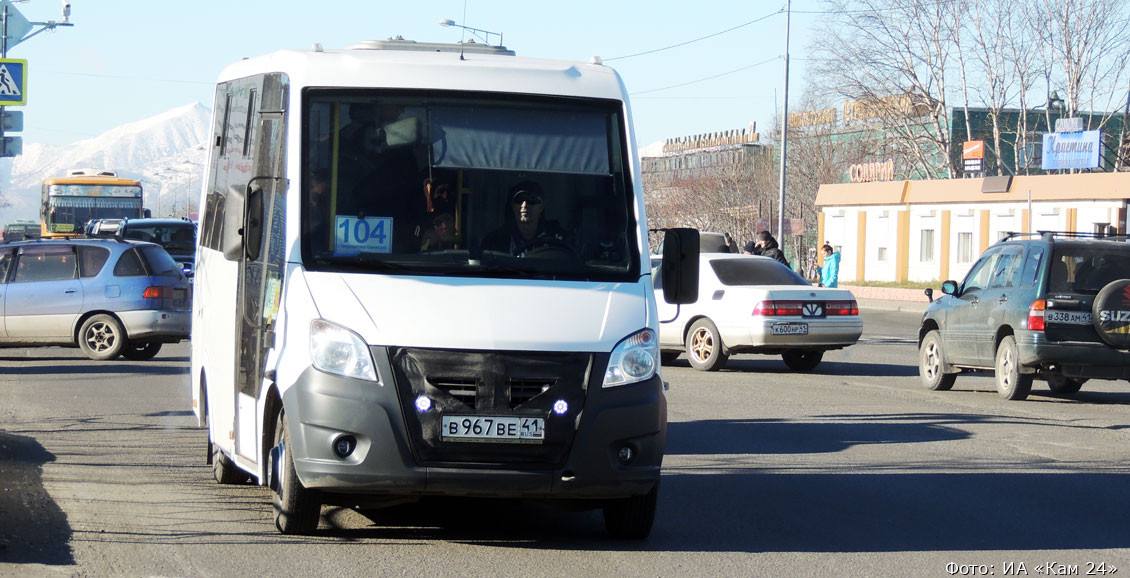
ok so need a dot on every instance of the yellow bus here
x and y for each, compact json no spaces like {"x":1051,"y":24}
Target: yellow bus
{"x":83,"y":195}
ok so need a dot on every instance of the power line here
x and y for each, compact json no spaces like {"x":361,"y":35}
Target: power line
{"x":654,"y":50}
{"x":704,"y":79}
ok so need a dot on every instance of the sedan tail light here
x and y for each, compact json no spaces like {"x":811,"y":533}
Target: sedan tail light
{"x":154,"y":293}
{"x":1036,"y":315}
{"x":777,"y":308}
{"x":796,"y":308}
{"x":842,"y":308}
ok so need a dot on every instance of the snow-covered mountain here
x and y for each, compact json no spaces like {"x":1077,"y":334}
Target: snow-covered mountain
{"x":166,"y":152}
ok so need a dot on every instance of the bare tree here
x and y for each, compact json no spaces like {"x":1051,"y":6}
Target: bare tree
{"x":1090,"y":42}
{"x":871,"y":50}
{"x":990,"y":27}
{"x":1019,"y":50}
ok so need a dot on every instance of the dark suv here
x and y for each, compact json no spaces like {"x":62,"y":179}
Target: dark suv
{"x":1052,"y":306}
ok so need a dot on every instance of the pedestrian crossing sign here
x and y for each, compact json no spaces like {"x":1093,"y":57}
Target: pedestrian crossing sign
{"x":13,"y":81}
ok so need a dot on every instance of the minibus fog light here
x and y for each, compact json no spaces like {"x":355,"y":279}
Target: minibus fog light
{"x":423,"y":404}
{"x":560,"y":407}
{"x":344,"y":446}
{"x":625,"y":455}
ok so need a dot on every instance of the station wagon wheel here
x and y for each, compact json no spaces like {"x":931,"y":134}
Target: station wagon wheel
{"x":141,"y":350}
{"x":932,"y":364}
{"x":705,"y":350}
{"x":101,"y":337}
{"x":1011,"y":384}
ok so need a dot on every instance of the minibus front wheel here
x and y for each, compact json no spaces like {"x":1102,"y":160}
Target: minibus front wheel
{"x":631,"y":518}
{"x":296,"y":507}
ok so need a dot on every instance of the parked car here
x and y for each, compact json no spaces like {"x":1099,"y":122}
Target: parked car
{"x":176,"y":236}
{"x":1050,"y":306}
{"x":753,"y":304}
{"x":107,"y":297}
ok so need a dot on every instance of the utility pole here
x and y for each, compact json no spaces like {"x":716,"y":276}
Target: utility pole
{"x":784,"y":130}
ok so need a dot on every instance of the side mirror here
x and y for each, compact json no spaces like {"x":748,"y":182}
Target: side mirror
{"x":929,"y":291}
{"x":253,"y":222}
{"x":949,"y":287}
{"x":680,"y":266}
{"x":147,"y":214}
{"x":233,"y":223}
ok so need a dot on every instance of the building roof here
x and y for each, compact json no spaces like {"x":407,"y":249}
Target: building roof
{"x":1078,"y":187}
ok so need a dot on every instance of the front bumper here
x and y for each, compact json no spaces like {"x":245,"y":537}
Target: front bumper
{"x":1080,"y":359}
{"x":321,"y":407}
{"x":165,"y":326}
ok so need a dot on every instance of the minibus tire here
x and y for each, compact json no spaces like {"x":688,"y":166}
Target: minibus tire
{"x":296,"y":508}
{"x":224,"y":469}
{"x":631,"y":518}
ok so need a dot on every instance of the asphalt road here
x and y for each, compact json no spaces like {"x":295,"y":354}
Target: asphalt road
{"x":853,"y":470}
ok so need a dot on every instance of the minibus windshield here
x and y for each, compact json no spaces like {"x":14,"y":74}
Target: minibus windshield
{"x":477,"y":185}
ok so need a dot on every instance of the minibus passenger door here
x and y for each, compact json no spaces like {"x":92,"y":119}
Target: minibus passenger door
{"x":260,"y":276}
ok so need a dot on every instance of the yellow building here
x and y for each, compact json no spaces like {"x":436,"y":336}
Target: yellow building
{"x":932,"y":230}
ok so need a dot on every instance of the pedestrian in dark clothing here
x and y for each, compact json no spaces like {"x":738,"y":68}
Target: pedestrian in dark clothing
{"x":767,"y":246}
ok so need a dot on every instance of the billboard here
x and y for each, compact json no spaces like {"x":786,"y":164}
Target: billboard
{"x":1071,"y":150}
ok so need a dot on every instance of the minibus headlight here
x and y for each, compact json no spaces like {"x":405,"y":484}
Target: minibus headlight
{"x":335,"y":349}
{"x":634,"y":359}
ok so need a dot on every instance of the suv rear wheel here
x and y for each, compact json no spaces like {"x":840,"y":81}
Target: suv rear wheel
{"x":932,"y":363}
{"x":1063,"y":385}
{"x":1011,"y":384}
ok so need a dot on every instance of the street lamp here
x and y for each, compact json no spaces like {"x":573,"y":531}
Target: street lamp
{"x":483,"y":35}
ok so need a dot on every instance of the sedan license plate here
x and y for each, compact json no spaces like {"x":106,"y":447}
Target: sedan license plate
{"x":493,"y":429}
{"x":789,"y":329}
{"x":1068,"y":317}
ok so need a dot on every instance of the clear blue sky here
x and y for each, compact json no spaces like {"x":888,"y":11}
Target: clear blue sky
{"x":128,"y":59}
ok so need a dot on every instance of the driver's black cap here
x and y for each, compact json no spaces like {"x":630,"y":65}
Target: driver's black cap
{"x":527,"y":191}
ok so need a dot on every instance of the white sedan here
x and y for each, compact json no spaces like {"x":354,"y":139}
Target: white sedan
{"x":750,"y":304}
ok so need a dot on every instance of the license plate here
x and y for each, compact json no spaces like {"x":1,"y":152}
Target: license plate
{"x":493,"y":429}
{"x":1068,"y":317}
{"x":789,"y":329}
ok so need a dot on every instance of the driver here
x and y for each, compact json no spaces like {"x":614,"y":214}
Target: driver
{"x":526,"y":230}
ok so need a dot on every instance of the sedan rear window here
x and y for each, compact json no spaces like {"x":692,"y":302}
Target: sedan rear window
{"x":754,"y":272}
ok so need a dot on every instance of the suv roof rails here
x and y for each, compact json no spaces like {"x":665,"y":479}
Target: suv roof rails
{"x":1052,"y":235}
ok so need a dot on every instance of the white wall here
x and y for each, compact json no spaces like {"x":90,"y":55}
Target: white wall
{"x":841,"y":230}
{"x":924,"y":217}
{"x":964,"y":219}
{"x":882,"y":232}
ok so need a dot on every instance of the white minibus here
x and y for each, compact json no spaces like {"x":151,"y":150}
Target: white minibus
{"x":422,"y":271}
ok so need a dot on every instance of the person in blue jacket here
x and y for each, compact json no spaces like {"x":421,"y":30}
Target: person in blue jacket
{"x":830,"y":270}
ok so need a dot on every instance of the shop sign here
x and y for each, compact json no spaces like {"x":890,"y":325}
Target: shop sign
{"x":1071,"y":150}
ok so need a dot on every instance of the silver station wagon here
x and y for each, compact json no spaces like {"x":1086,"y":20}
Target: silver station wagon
{"x":109,"y":298}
